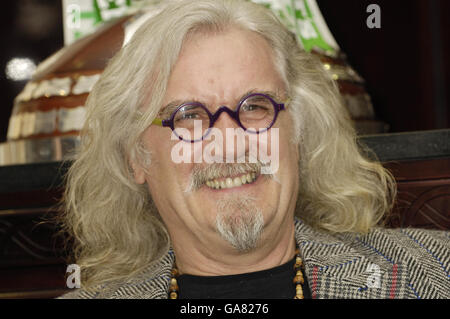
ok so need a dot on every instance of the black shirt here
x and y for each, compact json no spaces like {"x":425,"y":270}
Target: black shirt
{"x":274,"y":283}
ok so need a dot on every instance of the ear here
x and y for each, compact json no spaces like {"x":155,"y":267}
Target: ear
{"x":138,"y":173}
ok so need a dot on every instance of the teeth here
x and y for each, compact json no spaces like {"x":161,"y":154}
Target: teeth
{"x":232,"y":182}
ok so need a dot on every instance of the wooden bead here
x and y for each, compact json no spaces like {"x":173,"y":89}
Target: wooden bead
{"x":298,"y":279}
{"x":299,"y":289}
{"x":173,"y":285}
{"x":173,"y":295}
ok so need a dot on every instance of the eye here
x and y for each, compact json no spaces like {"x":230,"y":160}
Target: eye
{"x":253,"y":107}
{"x":188,"y":116}
{"x":190,"y":113}
{"x":256,"y":103}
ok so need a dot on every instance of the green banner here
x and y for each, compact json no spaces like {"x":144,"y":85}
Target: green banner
{"x":306,"y":23}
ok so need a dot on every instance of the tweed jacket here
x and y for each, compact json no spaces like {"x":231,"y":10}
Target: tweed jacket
{"x":385,"y":263}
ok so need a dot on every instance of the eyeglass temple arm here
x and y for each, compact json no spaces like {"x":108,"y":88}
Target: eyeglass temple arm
{"x":285,"y":103}
{"x":161,"y":122}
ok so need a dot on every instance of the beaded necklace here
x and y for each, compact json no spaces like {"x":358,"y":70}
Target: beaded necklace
{"x":298,"y":279}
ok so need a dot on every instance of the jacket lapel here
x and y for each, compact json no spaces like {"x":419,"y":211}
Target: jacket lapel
{"x":348,"y":266}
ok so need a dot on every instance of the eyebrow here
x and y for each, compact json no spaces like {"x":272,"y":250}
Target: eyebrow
{"x":169,"y":108}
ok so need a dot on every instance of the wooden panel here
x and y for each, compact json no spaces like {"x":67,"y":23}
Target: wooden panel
{"x":423,"y":198}
{"x":43,"y":198}
{"x":420,"y":169}
{"x":32,"y":258}
{"x":29,"y":238}
{"x":36,"y":281}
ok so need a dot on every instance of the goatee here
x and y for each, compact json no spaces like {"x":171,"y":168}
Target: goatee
{"x":239,"y":222}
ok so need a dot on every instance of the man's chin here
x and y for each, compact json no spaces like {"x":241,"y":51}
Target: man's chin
{"x":240,"y":222}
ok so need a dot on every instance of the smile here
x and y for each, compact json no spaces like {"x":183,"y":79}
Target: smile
{"x":230,"y":182}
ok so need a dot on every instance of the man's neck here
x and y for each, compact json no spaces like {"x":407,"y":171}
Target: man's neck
{"x":218,"y":258}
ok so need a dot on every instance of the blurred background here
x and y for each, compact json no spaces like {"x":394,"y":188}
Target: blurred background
{"x":405,"y":63}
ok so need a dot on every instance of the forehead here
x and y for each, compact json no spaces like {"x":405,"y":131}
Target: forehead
{"x":219,"y":67}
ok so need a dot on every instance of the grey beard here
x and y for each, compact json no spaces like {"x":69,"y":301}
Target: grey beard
{"x":239,"y":222}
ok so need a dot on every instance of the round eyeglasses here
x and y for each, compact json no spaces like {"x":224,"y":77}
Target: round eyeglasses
{"x":255,"y":113}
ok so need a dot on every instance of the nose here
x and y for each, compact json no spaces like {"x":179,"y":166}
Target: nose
{"x":221,"y":121}
{"x":234,"y":145}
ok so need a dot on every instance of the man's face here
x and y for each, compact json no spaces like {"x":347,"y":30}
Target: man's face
{"x":217,"y":70}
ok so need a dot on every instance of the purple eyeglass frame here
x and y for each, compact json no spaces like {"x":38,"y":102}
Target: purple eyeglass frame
{"x":233,"y":114}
